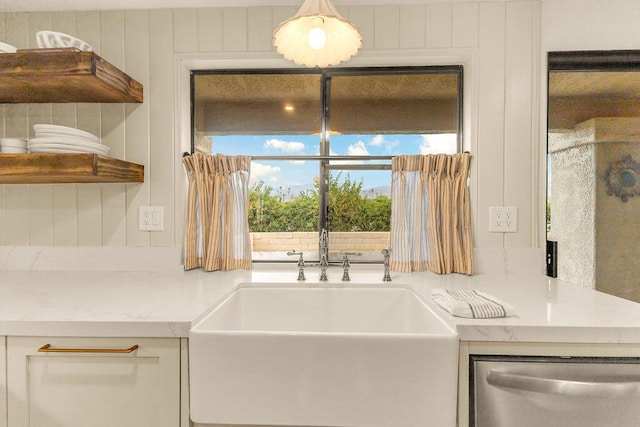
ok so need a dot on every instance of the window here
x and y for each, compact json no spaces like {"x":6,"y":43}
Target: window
{"x":321,"y":143}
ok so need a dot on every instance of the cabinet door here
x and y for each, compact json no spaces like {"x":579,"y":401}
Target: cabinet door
{"x":3,"y":382}
{"x":78,"y":385}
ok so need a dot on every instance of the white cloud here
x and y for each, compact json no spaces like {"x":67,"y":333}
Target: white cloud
{"x":376,"y":141}
{"x":297,"y":162}
{"x":439,"y":143}
{"x":263,"y":172}
{"x":357,"y":149}
{"x":337,"y":162}
{"x":380,"y":141}
{"x":287,"y":147}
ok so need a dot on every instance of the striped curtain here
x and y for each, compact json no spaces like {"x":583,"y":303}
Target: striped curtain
{"x":431,"y":214}
{"x":217,"y":234}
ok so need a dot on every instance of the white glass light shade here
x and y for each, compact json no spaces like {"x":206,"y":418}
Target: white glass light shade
{"x":293,"y":41}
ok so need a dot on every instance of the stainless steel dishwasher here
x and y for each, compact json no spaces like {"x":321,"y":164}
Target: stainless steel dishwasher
{"x":517,"y":391}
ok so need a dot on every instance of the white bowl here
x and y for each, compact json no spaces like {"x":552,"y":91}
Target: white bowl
{"x":53,"y":39}
{"x":7,"y":48}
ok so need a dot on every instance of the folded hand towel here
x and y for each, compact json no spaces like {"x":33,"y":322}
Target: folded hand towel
{"x":471,"y":303}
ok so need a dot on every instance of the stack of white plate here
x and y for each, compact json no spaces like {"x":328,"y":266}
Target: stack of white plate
{"x":63,"y":139}
{"x":13,"y":145}
{"x":7,"y":48}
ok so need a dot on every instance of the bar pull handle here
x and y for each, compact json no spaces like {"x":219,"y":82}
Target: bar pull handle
{"x":568,"y":388}
{"x":48,"y":349}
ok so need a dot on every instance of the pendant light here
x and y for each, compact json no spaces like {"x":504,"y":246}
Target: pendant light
{"x":317,"y":36}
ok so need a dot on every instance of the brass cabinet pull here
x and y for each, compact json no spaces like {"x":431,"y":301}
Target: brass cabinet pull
{"x":48,"y":349}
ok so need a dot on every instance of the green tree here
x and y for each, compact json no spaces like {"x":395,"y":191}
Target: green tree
{"x":301,"y":212}
{"x":265,"y":209}
{"x":346,"y":209}
{"x":349,"y":210}
{"x":377,"y":213}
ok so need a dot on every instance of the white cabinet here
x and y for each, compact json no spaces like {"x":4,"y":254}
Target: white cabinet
{"x":3,"y":382}
{"x":93,"y":382}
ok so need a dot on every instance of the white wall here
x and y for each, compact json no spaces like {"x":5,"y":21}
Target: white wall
{"x":590,"y":24}
{"x":498,"y":41}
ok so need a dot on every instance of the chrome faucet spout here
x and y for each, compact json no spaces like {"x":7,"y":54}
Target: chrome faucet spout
{"x":324,"y":242}
{"x":324,"y":254}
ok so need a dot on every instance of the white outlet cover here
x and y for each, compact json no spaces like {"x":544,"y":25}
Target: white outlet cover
{"x":503,"y":219}
{"x":151,"y":218}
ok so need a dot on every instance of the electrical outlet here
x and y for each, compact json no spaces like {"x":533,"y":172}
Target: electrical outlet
{"x":503,"y":219}
{"x":151,"y":218}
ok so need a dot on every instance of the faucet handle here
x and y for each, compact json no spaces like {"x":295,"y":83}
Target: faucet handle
{"x":300,"y":264}
{"x":346,"y":264}
{"x":300,"y":260}
{"x":386,"y":252}
{"x":345,"y":257}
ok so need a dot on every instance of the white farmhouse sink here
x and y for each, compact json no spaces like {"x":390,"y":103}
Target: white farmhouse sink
{"x":330,"y":356}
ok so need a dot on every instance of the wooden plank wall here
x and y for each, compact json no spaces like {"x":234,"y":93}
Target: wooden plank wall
{"x":502,"y":37}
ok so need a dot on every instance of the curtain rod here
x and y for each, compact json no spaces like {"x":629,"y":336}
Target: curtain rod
{"x":335,"y":157}
{"x":322,"y":157}
{"x":314,"y":157}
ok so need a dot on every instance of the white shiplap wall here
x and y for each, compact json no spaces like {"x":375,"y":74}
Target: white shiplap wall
{"x":500,"y":37}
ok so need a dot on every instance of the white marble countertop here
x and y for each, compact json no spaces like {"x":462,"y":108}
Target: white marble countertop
{"x":165,"y":304}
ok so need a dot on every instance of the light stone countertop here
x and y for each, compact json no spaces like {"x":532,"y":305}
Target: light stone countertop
{"x":166,"y":304}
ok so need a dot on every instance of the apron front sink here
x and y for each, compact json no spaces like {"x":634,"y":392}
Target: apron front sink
{"x":323,"y":356}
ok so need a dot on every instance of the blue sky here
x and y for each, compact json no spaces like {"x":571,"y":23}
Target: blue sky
{"x":301,"y":173}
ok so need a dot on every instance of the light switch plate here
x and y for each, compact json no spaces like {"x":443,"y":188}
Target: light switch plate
{"x":151,"y":218}
{"x":503,"y":219}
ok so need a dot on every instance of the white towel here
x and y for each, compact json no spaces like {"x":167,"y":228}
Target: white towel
{"x":471,"y":303}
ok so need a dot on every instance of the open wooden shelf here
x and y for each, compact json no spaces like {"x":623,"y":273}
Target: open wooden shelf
{"x":63,"y":75}
{"x":48,"y":168}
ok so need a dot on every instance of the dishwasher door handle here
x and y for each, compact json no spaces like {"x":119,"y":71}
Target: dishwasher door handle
{"x":569,"y":388}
